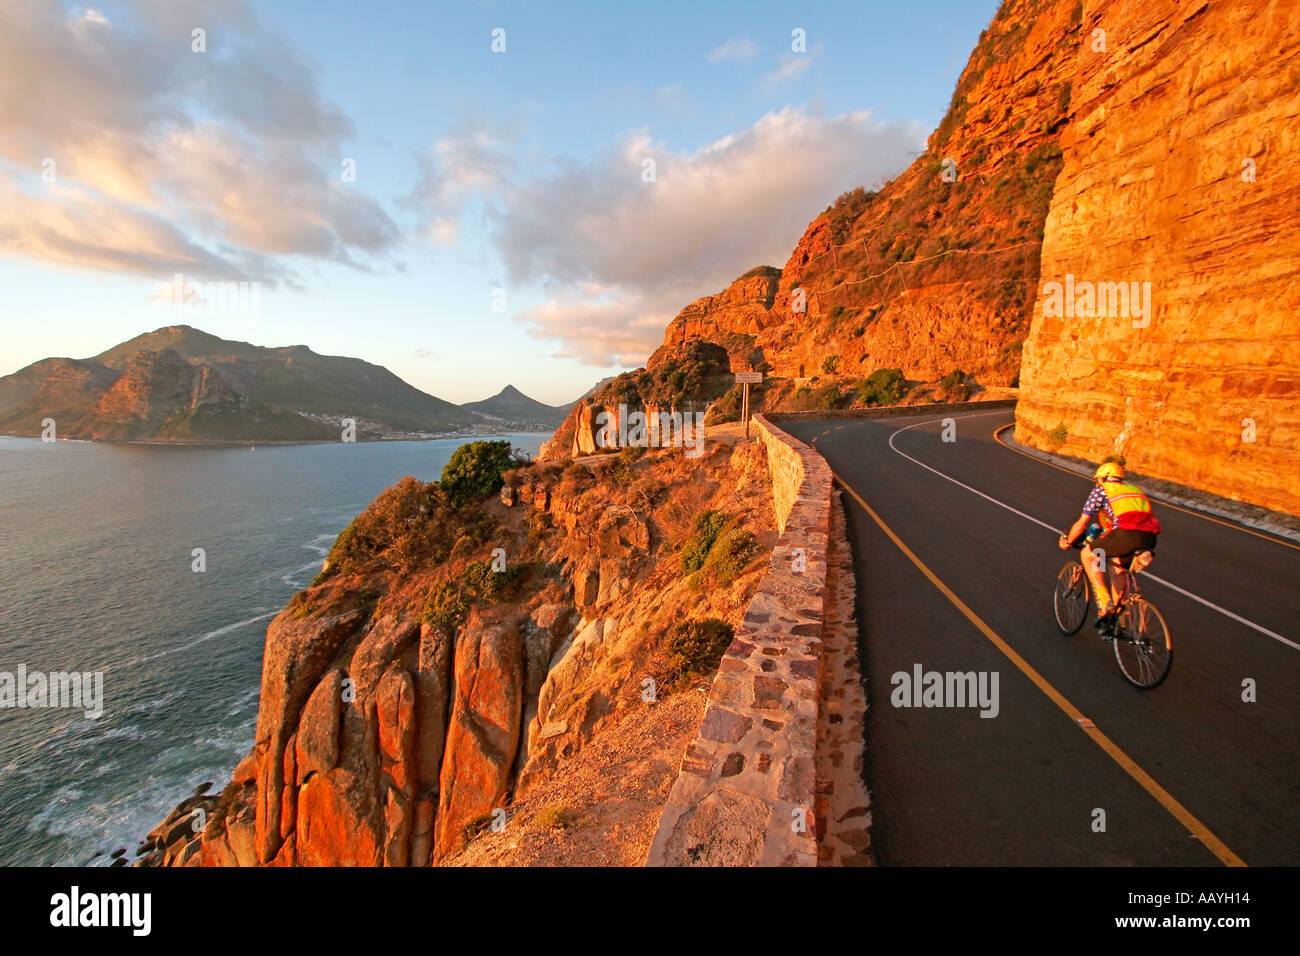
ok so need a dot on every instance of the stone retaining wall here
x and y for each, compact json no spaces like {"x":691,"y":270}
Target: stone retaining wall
{"x":746,"y":791}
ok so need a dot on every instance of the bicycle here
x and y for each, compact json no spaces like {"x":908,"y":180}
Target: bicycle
{"x":1138,"y":633}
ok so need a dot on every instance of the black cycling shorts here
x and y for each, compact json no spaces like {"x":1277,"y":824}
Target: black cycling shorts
{"x":1124,"y":542}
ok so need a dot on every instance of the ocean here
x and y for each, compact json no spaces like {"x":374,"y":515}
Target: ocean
{"x":97,"y":558}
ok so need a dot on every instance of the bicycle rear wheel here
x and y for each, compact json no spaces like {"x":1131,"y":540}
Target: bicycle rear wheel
{"x":1144,"y":650}
{"x":1072,"y":598}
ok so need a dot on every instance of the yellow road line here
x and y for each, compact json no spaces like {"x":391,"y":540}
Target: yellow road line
{"x":1166,"y":800}
{"x":997,"y":436}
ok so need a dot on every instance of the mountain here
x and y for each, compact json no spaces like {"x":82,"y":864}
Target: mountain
{"x":178,"y":383}
{"x":935,"y":271}
{"x":1106,"y":142}
{"x":513,"y":407}
{"x":294,"y":377}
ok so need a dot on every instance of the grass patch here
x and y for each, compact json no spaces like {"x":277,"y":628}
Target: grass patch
{"x":557,"y":818}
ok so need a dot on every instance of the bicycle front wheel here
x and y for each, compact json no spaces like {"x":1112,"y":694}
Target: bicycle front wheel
{"x":1071,"y":599}
{"x":1144,"y":650}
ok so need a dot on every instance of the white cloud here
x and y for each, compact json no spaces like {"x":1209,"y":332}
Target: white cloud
{"x":792,"y":66}
{"x":619,"y":257}
{"x":224,"y":160}
{"x":735,"y":50}
{"x":474,"y":158}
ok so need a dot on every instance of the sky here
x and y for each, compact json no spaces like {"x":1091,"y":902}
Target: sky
{"x":471,"y":194}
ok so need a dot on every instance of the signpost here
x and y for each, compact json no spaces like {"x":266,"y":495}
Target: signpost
{"x":745,"y":378}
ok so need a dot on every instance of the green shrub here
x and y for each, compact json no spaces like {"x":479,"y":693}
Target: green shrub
{"x":727,"y":408}
{"x":884,"y":386}
{"x":830,"y":363}
{"x":480,"y":580}
{"x":694,"y":649}
{"x":445,"y":607}
{"x":475,"y":471}
{"x":730,"y":555}
{"x":404,"y":524}
{"x":708,"y":525}
{"x":823,"y":398}
{"x":1059,"y":434}
{"x":954,"y":386}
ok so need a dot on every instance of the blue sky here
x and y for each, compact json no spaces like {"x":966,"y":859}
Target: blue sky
{"x":500,"y":227}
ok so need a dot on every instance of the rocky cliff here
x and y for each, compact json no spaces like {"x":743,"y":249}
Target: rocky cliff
{"x":1178,"y":178}
{"x":451,"y":661}
{"x":1138,"y":150}
{"x":936,"y":271}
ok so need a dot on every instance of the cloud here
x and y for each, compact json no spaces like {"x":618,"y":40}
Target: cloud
{"x":473,"y":158}
{"x":792,"y":66}
{"x":222,"y":160}
{"x":618,"y":257}
{"x":735,"y":50}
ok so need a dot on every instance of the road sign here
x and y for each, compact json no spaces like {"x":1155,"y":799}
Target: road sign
{"x":747,"y":379}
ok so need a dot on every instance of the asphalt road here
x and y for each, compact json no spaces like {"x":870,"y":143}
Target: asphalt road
{"x":1186,"y":774}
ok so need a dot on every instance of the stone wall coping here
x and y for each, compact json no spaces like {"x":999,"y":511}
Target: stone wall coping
{"x":745,"y":794}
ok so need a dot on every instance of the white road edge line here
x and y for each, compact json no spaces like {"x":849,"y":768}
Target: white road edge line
{"x":1169,"y":584}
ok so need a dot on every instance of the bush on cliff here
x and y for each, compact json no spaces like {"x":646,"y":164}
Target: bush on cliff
{"x":405,"y":524}
{"x":884,"y":386}
{"x":694,"y":649}
{"x":730,"y":555}
{"x":725,"y":409}
{"x":445,"y":607}
{"x":482,"y":581}
{"x":954,"y":386}
{"x":475,"y":471}
{"x":826,"y":397}
{"x":708,"y":525}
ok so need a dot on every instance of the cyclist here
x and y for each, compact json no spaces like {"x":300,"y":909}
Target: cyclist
{"x":1128,"y":525}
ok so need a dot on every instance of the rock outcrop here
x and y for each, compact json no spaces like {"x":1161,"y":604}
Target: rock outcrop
{"x":397,"y":722}
{"x":658,"y":406}
{"x":1177,"y":174}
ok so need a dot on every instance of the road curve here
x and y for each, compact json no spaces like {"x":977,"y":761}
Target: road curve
{"x":955,"y":573}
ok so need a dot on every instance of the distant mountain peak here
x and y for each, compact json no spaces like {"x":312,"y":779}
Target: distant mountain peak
{"x":285,"y":393}
{"x":512,"y":405}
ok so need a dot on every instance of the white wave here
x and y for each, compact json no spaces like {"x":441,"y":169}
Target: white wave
{"x":202,"y":638}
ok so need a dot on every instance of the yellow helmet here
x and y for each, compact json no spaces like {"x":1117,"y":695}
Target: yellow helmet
{"x":1109,"y":471}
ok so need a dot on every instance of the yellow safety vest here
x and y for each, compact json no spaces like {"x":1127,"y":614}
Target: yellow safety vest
{"x":1124,"y":498}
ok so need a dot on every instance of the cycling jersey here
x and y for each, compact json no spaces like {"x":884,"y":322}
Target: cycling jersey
{"x":1121,"y":506}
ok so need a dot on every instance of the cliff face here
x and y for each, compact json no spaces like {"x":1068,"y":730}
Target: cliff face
{"x":412,"y":697}
{"x":1156,"y":188}
{"x":937,"y":271}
